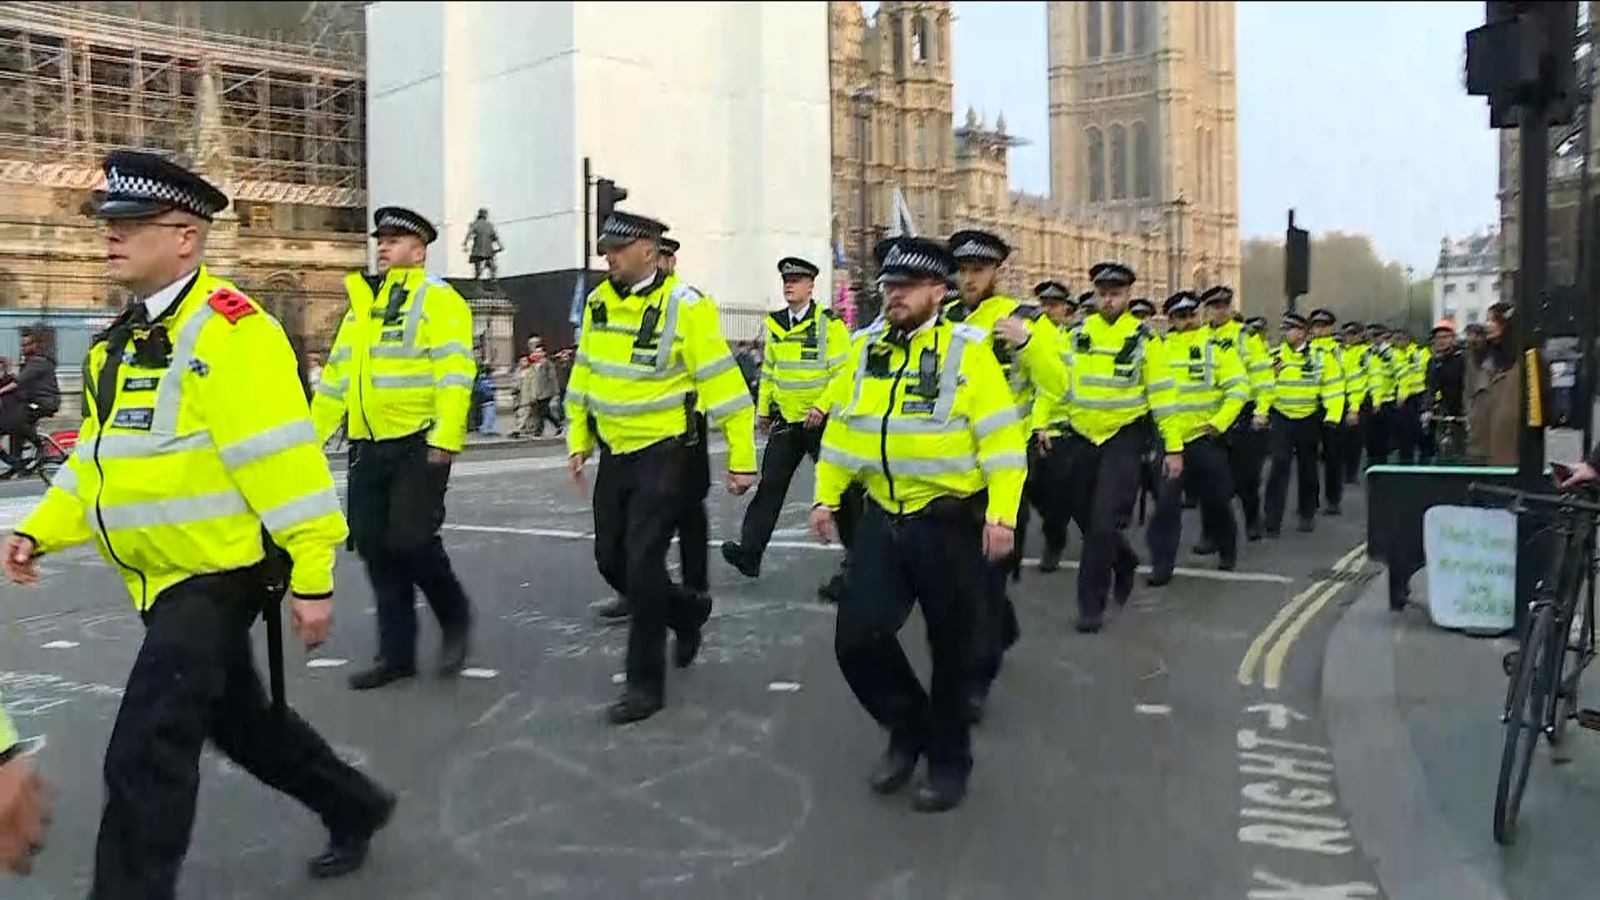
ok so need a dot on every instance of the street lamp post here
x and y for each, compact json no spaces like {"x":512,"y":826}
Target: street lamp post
{"x":862,"y":99}
{"x":1411,"y":314}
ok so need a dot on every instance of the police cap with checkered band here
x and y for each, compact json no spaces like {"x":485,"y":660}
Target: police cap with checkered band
{"x":905,"y":259}
{"x":623,"y":228}
{"x":1053,"y":292}
{"x":1111,"y":274}
{"x":141,"y":184}
{"x":399,"y":220}
{"x":973,"y":245}
{"x":795,"y":267}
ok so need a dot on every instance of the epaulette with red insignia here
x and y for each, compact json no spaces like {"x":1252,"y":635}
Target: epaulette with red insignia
{"x":231,"y":305}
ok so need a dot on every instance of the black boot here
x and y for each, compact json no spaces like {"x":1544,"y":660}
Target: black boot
{"x":453,"y":649}
{"x":1306,"y":525}
{"x":346,"y":851}
{"x":1252,"y":532}
{"x":1158,"y":579}
{"x":1089,"y":623}
{"x":1333,"y":509}
{"x":380,"y":674}
{"x":633,"y":705}
{"x":1051,"y":560}
{"x":736,"y":557}
{"x":613,"y":611}
{"x":893,"y":769}
{"x":941,"y":790}
{"x":1206,"y":547}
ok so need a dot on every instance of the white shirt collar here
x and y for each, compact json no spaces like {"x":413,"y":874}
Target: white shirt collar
{"x":931,"y":321}
{"x":643,"y":285}
{"x":157,"y":303}
{"x":795,"y":319}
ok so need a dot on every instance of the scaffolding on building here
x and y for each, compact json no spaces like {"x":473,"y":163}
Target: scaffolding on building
{"x":75,"y":83}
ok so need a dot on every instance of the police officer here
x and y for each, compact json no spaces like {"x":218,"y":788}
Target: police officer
{"x":650,"y":351}
{"x":1029,"y":366}
{"x":1117,"y":374}
{"x":1411,"y":379}
{"x":1378,"y":420}
{"x":196,"y":438}
{"x":933,"y":434}
{"x":806,"y":348}
{"x":1307,"y":392}
{"x":1244,"y":443}
{"x":1087,"y":303}
{"x":1332,"y":442}
{"x":400,"y":377}
{"x":1356,"y":361}
{"x":1210,"y":389}
{"x":1049,"y":465}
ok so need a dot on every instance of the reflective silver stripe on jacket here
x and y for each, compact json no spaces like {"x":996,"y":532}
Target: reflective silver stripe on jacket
{"x":301,"y":509}
{"x":874,"y":425}
{"x":611,"y":408}
{"x":717,"y":367}
{"x":871,"y":333}
{"x":1112,"y":403}
{"x":627,"y":370}
{"x":274,"y":440}
{"x":950,"y":378}
{"x":1109,"y":381}
{"x":135,"y":446}
{"x":66,"y":479}
{"x":846,"y":460}
{"x":994,"y":422}
{"x":334,"y":390}
{"x":175,"y":511}
{"x":669,"y":331}
{"x":170,"y":394}
{"x":1001,"y":462}
{"x":454,"y":379}
{"x":423,"y":380}
{"x":414,"y":313}
{"x":339,"y":355}
{"x":729,"y":407}
{"x":796,"y":384}
{"x":955,"y":465}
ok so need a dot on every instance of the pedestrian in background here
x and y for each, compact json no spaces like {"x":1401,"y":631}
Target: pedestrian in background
{"x":546,"y":388}
{"x":1492,"y":381}
{"x":483,"y":394}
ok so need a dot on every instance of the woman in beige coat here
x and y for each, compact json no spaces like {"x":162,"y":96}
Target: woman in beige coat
{"x":1493,"y":388}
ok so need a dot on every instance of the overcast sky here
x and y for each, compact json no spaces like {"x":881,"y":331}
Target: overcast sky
{"x":1352,"y":113}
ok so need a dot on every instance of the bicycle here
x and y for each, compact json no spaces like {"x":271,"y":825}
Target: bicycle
{"x":1449,"y":437}
{"x":1542,"y":693}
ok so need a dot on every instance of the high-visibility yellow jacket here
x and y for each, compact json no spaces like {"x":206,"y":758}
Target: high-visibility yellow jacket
{"x":1330,"y":346}
{"x":800,"y":362}
{"x":928,"y":420}
{"x":1303,"y":380}
{"x":1117,"y":374}
{"x":401,"y":362}
{"x":1052,"y":412}
{"x":644,"y":362}
{"x":1210,"y":383}
{"x":1252,"y":350}
{"x":1355,"y":361}
{"x":196,"y":454}
{"x":1382,"y":385}
{"x":1414,"y":371}
{"x":1036,"y":367}
{"x":8,"y":733}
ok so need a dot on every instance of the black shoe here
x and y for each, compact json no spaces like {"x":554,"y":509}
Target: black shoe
{"x":453,"y":653}
{"x":1333,"y":509}
{"x":685,"y":646}
{"x":380,"y":674}
{"x":347,"y":851}
{"x":1306,"y":525}
{"x":976,"y":703}
{"x":892,"y":770}
{"x":939,"y":791}
{"x":633,"y":706}
{"x":1122,"y":583}
{"x":1274,"y":531}
{"x":1205,"y":548}
{"x":735,"y":555}
{"x":1252,"y":533}
{"x":1227,"y":564}
{"x":613,"y":611}
{"x":1158,"y":579}
{"x":1089,"y":624}
{"x":1051,"y":560}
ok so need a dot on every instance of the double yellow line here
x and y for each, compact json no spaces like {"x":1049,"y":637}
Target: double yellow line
{"x":1301,"y":610}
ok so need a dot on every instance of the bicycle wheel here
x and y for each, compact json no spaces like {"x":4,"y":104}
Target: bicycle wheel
{"x":50,"y":457}
{"x":1566,"y":665}
{"x":1525,"y":718}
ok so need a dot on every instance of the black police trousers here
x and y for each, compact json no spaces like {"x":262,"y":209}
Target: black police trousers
{"x":639,"y":499}
{"x":1293,"y":440}
{"x":787,"y":444}
{"x":1105,"y":486}
{"x":1407,"y":429}
{"x":1246,"y":450}
{"x":396,"y":508}
{"x":1377,"y":420}
{"x":934,"y":560}
{"x":1332,"y":444}
{"x":195,"y":680}
{"x":1354,"y":441}
{"x":1205,"y":470}
{"x":1048,"y":490}
{"x":694,"y":530}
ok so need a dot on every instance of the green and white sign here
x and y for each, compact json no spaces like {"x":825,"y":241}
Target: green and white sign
{"x":1472,"y":567}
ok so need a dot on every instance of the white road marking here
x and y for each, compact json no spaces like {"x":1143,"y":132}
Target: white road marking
{"x":480,"y":673}
{"x":1252,"y":656}
{"x":619,"y":678}
{"x":1278,"y":715}
{"x":1153,"y":709}
{"x":326,"y":662}
{"x":784,"y":687}
{"x":58,"y":645}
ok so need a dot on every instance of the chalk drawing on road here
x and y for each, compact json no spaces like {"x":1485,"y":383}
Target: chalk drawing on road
{"x":565,"y":805}
{"x":29,"y":694}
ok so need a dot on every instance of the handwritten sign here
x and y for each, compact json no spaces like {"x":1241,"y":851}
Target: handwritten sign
{"x":1472,"y":567}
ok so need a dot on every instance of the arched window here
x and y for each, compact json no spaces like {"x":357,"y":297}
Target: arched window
{"x":1119,"y":162}
{"x":1141,"y":26}
{"x":1092,"y":28}
{"x":1119,"y":25}
{"x":1097,"y":166}
{"x":920,"y":45}
{"x":1143,"y":165}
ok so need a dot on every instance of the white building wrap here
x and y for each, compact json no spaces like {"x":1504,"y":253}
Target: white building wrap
{"x":714,"y":116}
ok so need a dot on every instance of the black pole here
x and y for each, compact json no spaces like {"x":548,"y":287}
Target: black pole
{"x":1528,"y":331}
{"x":861,"y":212}
{"x":584,"y":265}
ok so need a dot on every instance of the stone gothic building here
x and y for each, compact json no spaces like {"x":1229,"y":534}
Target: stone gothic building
{"x":1143,"y":149}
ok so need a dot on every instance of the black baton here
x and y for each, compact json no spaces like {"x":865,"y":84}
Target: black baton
{"x":273,"y":616}
{"x":349,"y":466}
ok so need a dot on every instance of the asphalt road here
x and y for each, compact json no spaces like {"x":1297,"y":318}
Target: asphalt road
{"x":1181,"y":753}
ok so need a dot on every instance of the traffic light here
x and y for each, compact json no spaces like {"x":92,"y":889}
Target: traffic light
{"x":1523,"y":56}
{"x":607,"y":194}
{"x":1296,"y":261}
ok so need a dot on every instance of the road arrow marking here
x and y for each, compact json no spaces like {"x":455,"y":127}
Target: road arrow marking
{"x":1278,"y":715}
